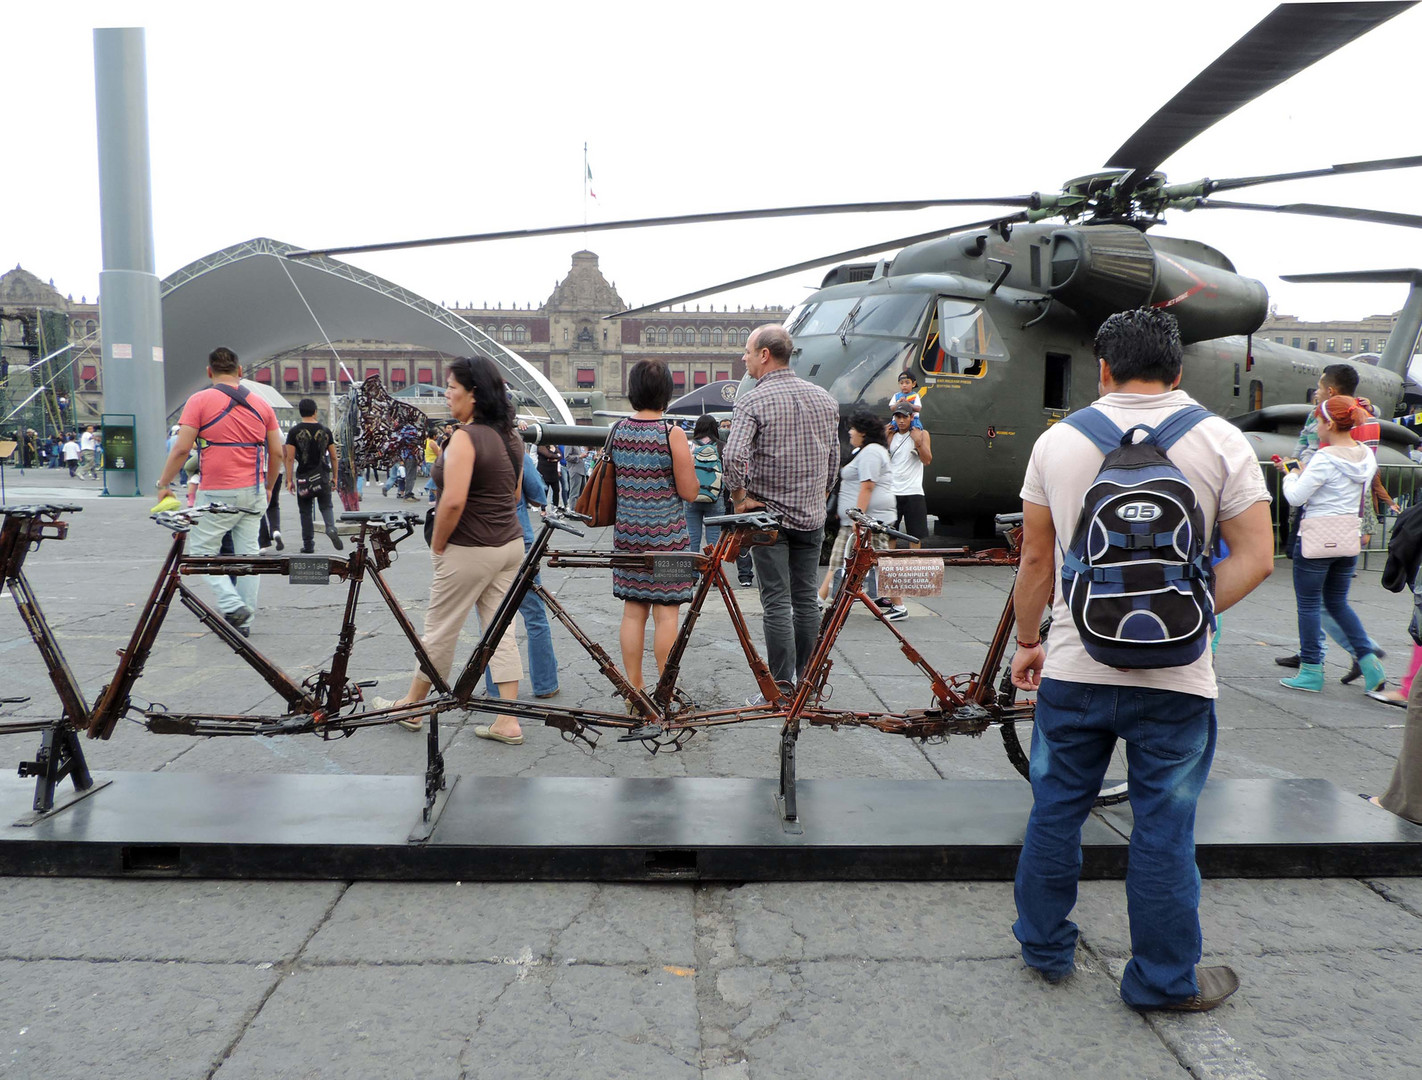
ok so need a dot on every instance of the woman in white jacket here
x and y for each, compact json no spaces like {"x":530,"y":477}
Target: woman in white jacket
{"x":1332,"y":485}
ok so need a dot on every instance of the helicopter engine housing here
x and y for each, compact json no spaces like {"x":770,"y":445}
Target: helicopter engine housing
{"x":1102,"y":269}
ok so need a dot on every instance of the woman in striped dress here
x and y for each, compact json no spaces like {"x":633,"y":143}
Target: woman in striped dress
{"x":652,"y":463}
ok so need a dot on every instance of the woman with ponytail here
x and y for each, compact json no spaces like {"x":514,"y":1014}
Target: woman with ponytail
{"x":1329,"y":491}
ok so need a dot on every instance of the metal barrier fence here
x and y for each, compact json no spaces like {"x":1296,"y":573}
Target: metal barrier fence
{"x":1403,"y":483}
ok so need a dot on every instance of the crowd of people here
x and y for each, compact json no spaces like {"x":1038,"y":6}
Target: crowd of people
{"x":781,"y":451}
{"x":81,"y":452}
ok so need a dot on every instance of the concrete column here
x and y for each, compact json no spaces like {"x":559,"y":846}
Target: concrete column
{"x":129,"y":308}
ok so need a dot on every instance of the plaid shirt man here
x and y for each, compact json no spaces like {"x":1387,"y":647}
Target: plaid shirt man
{"x":783,"y":449}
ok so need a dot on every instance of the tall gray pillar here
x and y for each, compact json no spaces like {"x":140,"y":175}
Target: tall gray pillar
{"x":129,"y":309}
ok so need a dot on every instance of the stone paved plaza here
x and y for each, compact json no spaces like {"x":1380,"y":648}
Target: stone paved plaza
{"x":191,"y":979}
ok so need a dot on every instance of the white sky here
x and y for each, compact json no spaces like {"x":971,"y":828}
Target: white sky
{"x":322,"y":124}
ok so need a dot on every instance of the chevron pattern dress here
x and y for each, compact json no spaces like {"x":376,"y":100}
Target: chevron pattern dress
{"x":650,"y":516}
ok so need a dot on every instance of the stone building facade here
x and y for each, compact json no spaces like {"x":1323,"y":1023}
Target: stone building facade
{"x":22,"y":297}
{"x":567,"y":337}
{"x":1342,"y":338}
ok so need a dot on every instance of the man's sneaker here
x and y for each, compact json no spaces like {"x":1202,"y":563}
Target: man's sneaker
{"x":336,"y":540}
{"x":276,"y":540}
{"x":240,"y":620}
{"x":896,"y":612}
{"x":746,"y":583}
{"x":755,"y":701}
{"x":1288,"y":661}
{"x":884,"y":602}
{"x":1216,"y":985}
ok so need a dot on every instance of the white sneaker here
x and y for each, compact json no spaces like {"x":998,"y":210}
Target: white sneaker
{"x":895,"y":612}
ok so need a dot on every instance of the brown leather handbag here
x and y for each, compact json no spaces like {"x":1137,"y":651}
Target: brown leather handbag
{"x":598,"y":499}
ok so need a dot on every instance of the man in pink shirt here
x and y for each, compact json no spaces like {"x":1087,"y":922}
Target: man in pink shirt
{"x":241,"y":451}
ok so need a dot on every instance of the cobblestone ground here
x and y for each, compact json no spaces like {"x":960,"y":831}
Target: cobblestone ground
{"x":195,"y":979}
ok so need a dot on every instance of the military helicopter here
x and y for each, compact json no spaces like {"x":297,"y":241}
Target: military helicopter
{"x":996,"y":317}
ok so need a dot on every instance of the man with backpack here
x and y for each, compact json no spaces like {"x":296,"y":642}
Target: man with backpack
{"x":311,"y":462}
{"x":1128,"y":655}
{"x":240,"y":455}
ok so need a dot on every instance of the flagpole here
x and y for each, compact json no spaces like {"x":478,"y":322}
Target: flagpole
{"x":585,"y":183}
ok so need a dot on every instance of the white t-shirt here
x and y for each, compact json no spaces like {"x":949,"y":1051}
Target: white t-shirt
{"x":87,"y":441}
{"x":1222,"y":469}
{"x":871,"y":462}
{"x":71,"y":451}
{"x":908,"y":466}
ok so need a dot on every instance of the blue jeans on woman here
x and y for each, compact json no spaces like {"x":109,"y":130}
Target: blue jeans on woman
{"x":1170,"y":743}
{"x":696,"y":514}
{"x":1321,"y":584}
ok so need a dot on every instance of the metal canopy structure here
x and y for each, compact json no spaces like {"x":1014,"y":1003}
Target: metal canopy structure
{"x":259,"y":303}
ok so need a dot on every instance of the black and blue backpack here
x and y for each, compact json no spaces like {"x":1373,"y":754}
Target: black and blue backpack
{"x":1137,"y":575}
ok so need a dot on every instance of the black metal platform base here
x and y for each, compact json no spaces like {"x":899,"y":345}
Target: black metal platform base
{"x":566,"y":829}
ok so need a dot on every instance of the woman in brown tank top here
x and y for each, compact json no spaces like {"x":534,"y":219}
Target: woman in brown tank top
{"x":477,"y":543}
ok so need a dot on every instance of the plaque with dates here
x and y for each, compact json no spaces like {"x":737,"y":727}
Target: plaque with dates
{"x":308,"y":570}
{"x":676,"y":567}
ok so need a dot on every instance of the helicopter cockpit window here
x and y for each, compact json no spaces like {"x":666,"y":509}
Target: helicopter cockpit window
{"x":966,"y":340}
{"x":889,"y":315}
{"x":826,"y":317}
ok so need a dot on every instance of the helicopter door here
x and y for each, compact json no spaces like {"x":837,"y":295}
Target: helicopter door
{"x":962,"y":340}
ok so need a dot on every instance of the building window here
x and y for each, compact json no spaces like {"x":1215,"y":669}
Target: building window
{"x":716,"y":336}
{"x":661,"y":335}
{"x":425,"y":375}
{"x":492,"y":331}
{"x":705,"y":336}
{"x":520,"y":335}
{"x":1363,"y":345}
{"x":651,"y":336}
{"x":679,"y":379}
{"x":1297,"y":343}
{"x":318,"y":378}
{"x":677,"y":336}
{"x":78,"y":327}
{"x":587,"y":378}
{"x":89,"y":376}
{"x":723,"y":376}
{"x":1279,"y":340}
{"x":91,"y":327}
{"x":1330,"y":345}
{"x":1313,"y":344}
{"x":698,"y":378}
{"x":507,"y":335}
{"x":1382,"y":344}
{"x":397,"y":376}
{"x":1347,"y":345}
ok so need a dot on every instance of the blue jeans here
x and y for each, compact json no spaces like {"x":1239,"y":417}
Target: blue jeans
{"x":696,"y":513}
{"x":1321,"y":584}
{"x":205,"y":538}
{"x":542,"y":664}
{"x":788,"y":572}
{"x":1170,"y":743}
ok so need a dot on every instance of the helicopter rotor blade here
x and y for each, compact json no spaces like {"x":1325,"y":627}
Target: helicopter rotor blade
{"x":678,"y":219}
{"x":1286,"y":41}
{"x":1351,"y":213}
{"x":1379,"y":165}
{"x":810,"y":264}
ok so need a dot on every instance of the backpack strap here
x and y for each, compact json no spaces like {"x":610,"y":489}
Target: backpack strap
{"x":1171,"y":430}
{"x":239,"y":395}
{"x":1097,"y":427}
